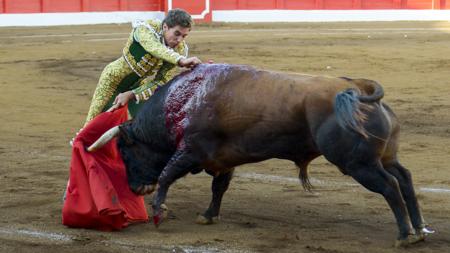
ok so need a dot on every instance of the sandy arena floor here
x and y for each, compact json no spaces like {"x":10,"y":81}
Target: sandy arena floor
{"x":49,"y":74}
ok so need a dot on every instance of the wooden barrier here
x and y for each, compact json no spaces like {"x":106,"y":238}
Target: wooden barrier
{"x":199,"y":6}
{"x":203,"y":9}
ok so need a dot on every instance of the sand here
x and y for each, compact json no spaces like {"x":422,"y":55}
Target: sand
{"x":48,"y":75}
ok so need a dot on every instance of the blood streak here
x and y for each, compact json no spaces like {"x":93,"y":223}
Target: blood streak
{"x":186,"y":94}
{"x":177,"y":103}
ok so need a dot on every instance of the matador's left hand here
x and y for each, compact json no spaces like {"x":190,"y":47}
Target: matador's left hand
{"x":121,"y":100}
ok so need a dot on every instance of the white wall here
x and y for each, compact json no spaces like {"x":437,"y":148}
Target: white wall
{"x":81,"y":18}
{"x":328,"y":15}
{"x":50,"y":19}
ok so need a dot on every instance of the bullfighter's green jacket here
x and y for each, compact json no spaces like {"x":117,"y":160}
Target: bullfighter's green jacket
{"x":146,"y":63}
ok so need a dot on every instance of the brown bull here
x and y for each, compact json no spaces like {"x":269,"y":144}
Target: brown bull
{"x":217,"y":117}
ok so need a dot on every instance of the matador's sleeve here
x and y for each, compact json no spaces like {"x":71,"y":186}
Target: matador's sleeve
{"x":164,"y":75}
{"x":150,"y":41}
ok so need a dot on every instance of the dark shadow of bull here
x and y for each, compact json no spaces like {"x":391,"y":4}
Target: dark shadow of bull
{"x":216,"y":117}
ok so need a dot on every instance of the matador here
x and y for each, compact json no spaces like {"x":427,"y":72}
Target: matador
{"x":149,"y":60}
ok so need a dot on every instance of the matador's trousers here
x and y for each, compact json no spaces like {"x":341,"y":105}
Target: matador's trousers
{"x":117,"y":77}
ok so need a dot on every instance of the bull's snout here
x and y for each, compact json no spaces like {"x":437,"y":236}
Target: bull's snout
{"x":144,"y":189}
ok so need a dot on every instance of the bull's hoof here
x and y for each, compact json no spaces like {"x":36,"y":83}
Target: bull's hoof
{"x":202,"y":220}
{"x":165,"y":211}
{"x":426,"y":230}
{"x":158,"y":218}
{"x":411,"y":239}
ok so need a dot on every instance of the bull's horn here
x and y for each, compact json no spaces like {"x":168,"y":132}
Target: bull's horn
{"x":105,"y":138}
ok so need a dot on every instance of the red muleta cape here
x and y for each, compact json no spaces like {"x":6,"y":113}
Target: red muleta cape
{"x":97,"y":194}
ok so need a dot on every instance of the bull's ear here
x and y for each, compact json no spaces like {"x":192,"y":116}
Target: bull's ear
{"x":123,"y":133}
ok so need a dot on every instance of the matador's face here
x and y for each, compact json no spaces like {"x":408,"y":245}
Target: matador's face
{"x":174,"y":35}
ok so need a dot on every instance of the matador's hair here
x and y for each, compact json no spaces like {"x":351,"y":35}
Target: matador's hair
{"x":178,"y":17}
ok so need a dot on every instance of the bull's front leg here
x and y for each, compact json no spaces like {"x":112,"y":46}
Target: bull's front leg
{"x":181,"y":163}
{"x":219,"y":187}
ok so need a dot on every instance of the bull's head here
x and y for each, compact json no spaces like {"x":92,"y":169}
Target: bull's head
{"x":142,"y":164}
{"x":138,"y":158}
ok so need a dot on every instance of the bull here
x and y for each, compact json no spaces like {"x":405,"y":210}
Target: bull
{"x":217,"y":116}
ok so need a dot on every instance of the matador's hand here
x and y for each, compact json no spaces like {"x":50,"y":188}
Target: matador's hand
{"x":121,"y":100}
{"x":189,"y":62}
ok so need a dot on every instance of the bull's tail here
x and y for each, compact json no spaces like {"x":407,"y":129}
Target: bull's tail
{"x":303,"y":175}
{"x":304,"y":178}
{"x":349,"y":105}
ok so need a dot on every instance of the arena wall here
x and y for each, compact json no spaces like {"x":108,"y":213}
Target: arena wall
{"x":58,"y":12}
{"x":45,"y":6}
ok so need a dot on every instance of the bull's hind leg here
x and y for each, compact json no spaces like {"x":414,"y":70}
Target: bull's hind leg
{"x":181,"y":163}
{"x":372,"y":176}
{"x":404,"y":178}
{"x":219,"y":187}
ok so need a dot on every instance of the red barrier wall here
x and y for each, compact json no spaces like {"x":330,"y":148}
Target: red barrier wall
{"x":195,"y":8}
{"x":37,"y":6}
{"x":327,"y":4}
